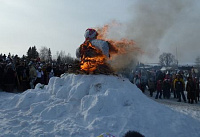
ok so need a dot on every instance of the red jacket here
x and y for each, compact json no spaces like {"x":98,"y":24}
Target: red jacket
{"x":159,"y":85}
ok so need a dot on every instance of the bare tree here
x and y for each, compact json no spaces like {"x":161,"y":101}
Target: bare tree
{"x":44,"y":51}
{"x":63,"y":58}
{"x":167,"y":59}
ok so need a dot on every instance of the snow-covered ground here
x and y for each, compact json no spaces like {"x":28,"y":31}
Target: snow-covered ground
{"x":88,"y":105}
{"x":192,"y":110}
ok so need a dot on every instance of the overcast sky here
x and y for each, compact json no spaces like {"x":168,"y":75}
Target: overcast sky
{"x":156,"y":26}
{"x":57,"y":24}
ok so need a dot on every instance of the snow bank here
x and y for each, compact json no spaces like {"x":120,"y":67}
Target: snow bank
{"x":88,"y":105}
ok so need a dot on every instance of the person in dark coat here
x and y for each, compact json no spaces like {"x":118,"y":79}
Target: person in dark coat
{"x":151,"y":86}
{"x":22,"y":76}
{"x":166,"y":88}
{"x":9,"y":78}
{"x":197,"y":87}
{"x":1,"y":75}
{"x":133,"y":134}
{"x":179,"y":86}
{"x":172,"y":86}
{"x":190,"y":88}
{"x":159,"y":89}
{"x":137,"y":81}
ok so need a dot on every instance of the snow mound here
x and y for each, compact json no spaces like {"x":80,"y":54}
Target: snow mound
{"x":88,"y":105}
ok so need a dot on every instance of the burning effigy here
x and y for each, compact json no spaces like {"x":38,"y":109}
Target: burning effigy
{"x":99,"y":55}
{"x":93,"y":54}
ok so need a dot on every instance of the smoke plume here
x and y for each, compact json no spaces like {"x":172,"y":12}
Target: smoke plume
{"x":123,"y":51}
{"x":164,"y":26}
{"x":156,"y":27}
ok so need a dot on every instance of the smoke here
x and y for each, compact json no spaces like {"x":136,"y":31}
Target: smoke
{"x":162,"y":26}
{"x":155,"y":27}
{"x":123,"y":51}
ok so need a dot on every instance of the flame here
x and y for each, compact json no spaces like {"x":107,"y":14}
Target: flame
{"x":122,"y":46}
{"x":91,"y":57}
{"x":123,"y":52}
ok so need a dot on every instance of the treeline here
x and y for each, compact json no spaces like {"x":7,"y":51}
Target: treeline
{"x":44,"y":55}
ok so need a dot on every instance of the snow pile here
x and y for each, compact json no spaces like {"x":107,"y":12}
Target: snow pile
{"x":88,"y":105}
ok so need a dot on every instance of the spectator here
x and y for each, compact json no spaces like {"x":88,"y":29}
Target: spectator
{"x":9,"y":78}
{"x":179,"y":86}
{"x":51,"y":73}
{"x":172,"y":86}
{"x":166,"y":88}
{"x":137,"y":81}
{"x":40,"y":76}
{"x":159,"y":89}
{"x":151,"y":86}
{"x":133,"y":134}
{"x":23,"y":76}
{"x":1,"y":74}
{"x":32,"y":75}
{"x":190,"y":88}
{"x":196,"y":80}
{"x":48,"y":70}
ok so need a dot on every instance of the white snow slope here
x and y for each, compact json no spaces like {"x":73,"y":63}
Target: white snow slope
{"x":88,"y":105}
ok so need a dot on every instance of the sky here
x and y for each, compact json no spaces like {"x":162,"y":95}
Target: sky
{"x":58,"y":25}
{"x":90,"y":105}
{"x":156,"y":26}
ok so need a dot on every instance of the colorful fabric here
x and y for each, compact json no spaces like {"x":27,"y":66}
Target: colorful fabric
{"x":106,"y":135}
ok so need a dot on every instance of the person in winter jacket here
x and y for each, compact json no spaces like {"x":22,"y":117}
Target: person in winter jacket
{"x":22,"y":73}
{"x":159,"y":89}
{"x":179,"y":86}
{"x":9,"y":78}
{"x":133,"y":134}
{"x":32,"y":75}
{"x":190,"y":88}
{"x":137,"y":81}
{"x":197,"y":87}
{"x":1,"y":75}
{"x":166,"y":88}
{"x":40,"y":76}
{"x":172,"y":86}
{"x":151,"y":86}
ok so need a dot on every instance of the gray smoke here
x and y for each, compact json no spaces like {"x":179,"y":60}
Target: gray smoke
{"x":159,"y":26}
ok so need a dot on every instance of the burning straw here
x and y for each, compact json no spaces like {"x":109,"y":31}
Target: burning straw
{"x":123,"y":54}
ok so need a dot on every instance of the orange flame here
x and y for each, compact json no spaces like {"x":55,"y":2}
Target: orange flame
{"x":91,"y":57}
{"x":122,"y":46}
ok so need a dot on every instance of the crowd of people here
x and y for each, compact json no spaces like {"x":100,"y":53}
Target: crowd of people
{"x":182,"y":85}
{"x":18,"y":75}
